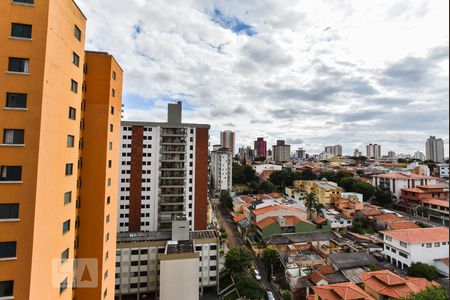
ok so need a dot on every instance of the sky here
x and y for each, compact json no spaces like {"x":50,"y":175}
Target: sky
{"x":313,"y":73}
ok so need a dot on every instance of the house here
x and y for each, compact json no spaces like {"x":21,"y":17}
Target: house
{"x":385,"y":285}
{"x":395,"y":182}
{"x":383,"y":220}
{"x":336,"y":220}
{"x":327,"y":192}
{"x":404,"y":246}
{"x":289,"y":224}
{"x":402,"y":225}
{"x":296,"y":194}
{"x":325,"y":274}
{"x":442,"y":267}
{"x":242,"y":201}
{"x":339,"y":291}
{"x":349,"y":207}
{"x":277,"y":211}
{"x":351,"y":260}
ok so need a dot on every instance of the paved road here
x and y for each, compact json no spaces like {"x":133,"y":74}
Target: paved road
{"x":418,"y":218}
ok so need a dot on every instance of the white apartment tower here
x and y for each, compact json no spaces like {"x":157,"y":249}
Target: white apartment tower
{"x":435,"y":149}
{"x":335,"y":150}
{"x":373,"y":151}
{"x":221,"y":169}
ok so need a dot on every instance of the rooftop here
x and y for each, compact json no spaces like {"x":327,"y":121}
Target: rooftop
{"x":401,"y":176}
{"x":293,"y":238}
{"x":388,"y":218}
{"x":267,"y":209}
{"x":438,"y":202}
{"x":341,"y":291}
{"x":352,"y":260}
{"x":419,"y":235}
{"x":174,"y":247}
{"x":147,"y":236}
{"x":403,"y":225}
{"x":203,"y":234}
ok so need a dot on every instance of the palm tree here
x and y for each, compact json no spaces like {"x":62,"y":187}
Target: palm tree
{"x":318,"y":207}
{"x":311,"y":202}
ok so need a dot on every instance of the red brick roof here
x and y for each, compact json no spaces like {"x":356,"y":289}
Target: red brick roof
{"x":288,"y":220}
{"x":320,"y":220}
{"x":401,"y":176}
{"x":388,"y":218}
{"x":239,"y":218}
{"x":276,"y":195}
{"x":247,"y":199}
{"x":341,"y":291}
{"x":419,"y":235}
{"x":402,"y":225}
{"x":433,"y":201}
{"x":267,"y":209}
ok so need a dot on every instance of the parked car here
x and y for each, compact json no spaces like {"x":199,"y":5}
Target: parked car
{"x":256,"y":274}
{"x":269,"y":295}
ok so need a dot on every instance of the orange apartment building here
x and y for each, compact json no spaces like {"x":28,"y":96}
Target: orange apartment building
{"x":60,"y":112}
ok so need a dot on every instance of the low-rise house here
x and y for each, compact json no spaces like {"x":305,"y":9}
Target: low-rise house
{"x":385,"y":285}
{"x":405,"y":246}
{"x":349,"y":207}
{"x":285,"y":243}
{"x":351,"y":260}
{"x":339,"y":291}
{"x":277,"y":211}
{"x":325,"y":274}
{"x":402,"y":225}
{"x":383,"y":220}
{"x":289,"y":224}
{"x":296,"y":194}
{"x":336,"y":220}
{"x":241,"y":201}
{"x":355,"y":196}
{"x":327,"y":192}
{"x":395,"y":182}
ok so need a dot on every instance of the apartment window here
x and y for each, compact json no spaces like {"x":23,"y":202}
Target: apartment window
{"x":6,"y":288}
{"x":403,"y":244}
{"x":9,"y":211}
{"x":114,"y":75}
{"x":429,"y":245}
{"x":108,"y":200}
{"x":109,"y":181}
{"x":8,"y":250}
{"x":10,"y":173}
{"x":19,"y":65}
{"x":112,"y":110}
{"x":110,"y":145}
{"x":77,"y":33}
{"x":113,"y":92}
{"x":107,"y":218}
{"x":76,"y":59}
{"x":70,"y":141}
{"x":109,"y":163}
{"x":436,"y":244}
{"x":404,"y":255}
{"x":69,"y":169}
{"x":24,"y":1}
{"x":21,"y":31}
{"x":65,"y":255}
{"x":67,"y":197}
{"x":16,"y":100}
{"x":74,"y":86}
{"x":66,"y":226}
{"x":63,"y":285}
{"x":111,"y":127}
{"x":13,"y":136}
{"x":72,"y":113}
{"x":388,"y":238}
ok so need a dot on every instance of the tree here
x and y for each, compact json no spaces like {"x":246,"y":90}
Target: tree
{"x":422,"y":270}
{"x":383,"y":196}
{"x":367,"y":190}
{"x":307,"y":174}
{"x":435,"y":293}
{"x":271,"y":259}
{"x":248,"y":287}
{"x":243,"y":174}
{"x":266,"y":187}
{"x":360,"y":172}
{"x":311,"y":202}
{"x":238,"y":260}
{"x":226,"y":200}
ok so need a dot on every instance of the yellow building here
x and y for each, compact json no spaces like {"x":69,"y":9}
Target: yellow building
{"x":327,"y":192}
{"x":59,"y":136}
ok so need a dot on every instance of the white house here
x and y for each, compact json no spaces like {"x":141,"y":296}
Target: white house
{"x":404,"y":246}
{"x":336,"y":220}
{"x":395,"y":182}
{"x":259,"y":168}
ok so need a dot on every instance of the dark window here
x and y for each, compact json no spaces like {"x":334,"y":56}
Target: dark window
{"x":112,"y":110}
{"x":144,"y":251}
{"x":72,"y":113}
{"x":6,"y":288}
{"x":77,"y":33}
{"x":9,"y":211}
{"x":21,"y":30}
{"x":8,"y":249}
{"x":16,"y":100}
{"x":111,"y":127}
{"x":65,"y":255}
{"x":143,"y":284}
{"x":69,"y":169}
{"x":134,"y":252}
{"x":76,"y":59}
{"x":63,"y":286}
{"x":70,"y":141}
{"x":67,"y":197}
{"x":213,"y":247}
{"x":74,"y":86}
{"x":134,"y":263}
{"x":13,"y":136}
{"x":24,"y":1}
{"x":66,"y":226}
{"x":20,"y":65}
{"x":133,"y":286}
{"x":109,"y":163}
{"x":114,"y":75}
{"x":108,"y":200}
{"x":11,"y":173}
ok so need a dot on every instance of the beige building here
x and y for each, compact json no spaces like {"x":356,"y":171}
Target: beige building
{"x":281,"y":152}
{"x":327,"y":192}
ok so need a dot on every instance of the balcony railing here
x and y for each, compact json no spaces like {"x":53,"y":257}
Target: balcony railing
{"x":173,"y":149}
{"x":172,"y":174}
{"x":173,"y":131}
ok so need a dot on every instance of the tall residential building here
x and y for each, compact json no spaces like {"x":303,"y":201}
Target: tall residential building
{"x":227,"y":140}
{"x":221,"y":170}
{"x":357,"y":153}
{"x":59,"y":136}
{"x":281,"y":152}
{"x":391,"y":154}
{"x":335,"y":150}
{"x":373,"y":151}
{"x":301,"y":153}
{"x":163,"y":174}
{"x":260,"y":147}
{"x":419,"y":155}
{"x":246,"y":154}
{"x":435,"y":149}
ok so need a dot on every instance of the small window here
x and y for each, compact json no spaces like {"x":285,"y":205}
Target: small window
{"x":77,"y":33}
{"x":110,"y":145}
{"x":74,"y":86}
{"x":13,"y":136}
{"x":72,"y":113}
{"x":7,"y":288}
{"x":67,"y":197}
{"x":65,"y":255}
{"x":19,"y":65}
{"x":21,"y":31}
{"x":108,"y":200}
{"x":69,"y":169}
{"x":436,"y":244}
{"x":112,"y":110}
{"x":113,"y":92}
{"x":76,"y":59}
{"x":16,"y":100}
{"x":8,"y":249}
{"x":110,"y":164}
{"x":10,"y":173}
{"x":70,"y":141}
{"x":24,"y":1}
{"x":388,"y":238}
{"x":109,"y":181}
{"x":403,"y":244}
{"x":9,"y":211}
{"x":63,"y":285}
{"x":66,"y":226}
{"x":111,"y":127}
{"x":429,"y":245}
{"x":107,"y":218}
{"x":114,"y":75}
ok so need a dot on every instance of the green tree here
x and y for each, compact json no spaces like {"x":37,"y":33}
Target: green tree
{"x":311,"y":202}
{"x":266,"y":187}
{"x":360,"y":172}
{"x":435,"y":293}
{"x":243,"y":174}
{"x":367,"y":190}
{"x":238,"y":260}
{"x":422,"y":270}
{"x":248,"y":287}
{"x":226,"y":200}
{"x":383,"y":196}
{"x":307,"y":174}
{"x":271,"y":258}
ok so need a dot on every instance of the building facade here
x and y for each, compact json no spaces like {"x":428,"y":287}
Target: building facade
{"x":281,"y":152}
{"x":227,"y":140}
{"x":395,"y":182}
{"x":373,"y":151}
{"x":163,"y":174}
{"x":435,"y":149}
{"x":300,"y":154}
{"x":260,"y":146}
{"x":419,"y":155}
{"x":335,"y":150}
{"x":221,"y":170}
{"x":57,"y":186}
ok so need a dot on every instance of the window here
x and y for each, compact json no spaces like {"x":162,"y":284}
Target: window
{"x":19,"y":65}
{"x":109,"y":181}
{"x":10,"y":173}
{"x":111,"y":127}
{"x":13,"y":136}
{"x":107,"y":218}
{"x":428,"y":245}
{"x":77,"y":33}
{"x":108,"y":200}
{"x":6,"y":288}
{"x":16,"y":100}
{"x":74,"y":86}
{"x":72,"y":113}
{"x":69,"y":169}
{"x":21,"y":31}
{"x":63,"y":285}
{"x":110,"y":145}
{"x":9,"y":211}
{"x":109,"y":163}
{"x":113,"y":92}
{"x":8,"y":249}
{"x":114,"y":75}
{"x":112,"y":110}
{"x":403,"y":244}
{"x":402,"y":254}
{"x":436,"y":244}
{"x":24,"y":1}
{"x":65,"y":255}
{"x":66,"y":226}
{"x":388,"y":238}
{"x":76,"y":59}
{"x":67,"y":197}
{"x":70,"y":141}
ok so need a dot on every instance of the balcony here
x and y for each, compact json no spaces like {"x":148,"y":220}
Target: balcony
{"x":172,"y":209}
{"x":165,"y":166}
{"x":172,"y":149}
{"x":172,"y":158}
{"x":176,"y":132}
{"x":173,"y":174}
{"x":172,"y":140}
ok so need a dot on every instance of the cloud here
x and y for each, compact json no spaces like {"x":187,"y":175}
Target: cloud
{"x":294,"y":141}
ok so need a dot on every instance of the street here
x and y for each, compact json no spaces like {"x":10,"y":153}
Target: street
{"x":417,"y":218}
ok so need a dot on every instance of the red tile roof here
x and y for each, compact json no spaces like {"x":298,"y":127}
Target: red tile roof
{"x":371,"y":212}
{"x":320,"y":220}
{"x":265,"y":222}
{"x":401,"y":176}
{"x":262,"y":196}
{"x":388,"y":218}
{"x":433,"y":201}
{"x":267,"y":209}
{"x":239,"y":218}
{"x":247,"y":199}
{"x":386,"y":283}
{"x":341,"y":291}
{"x":276,"y":195}
{"x":419,"y":235}
{"x":288,"y":220}
{"x":402,"y":225}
